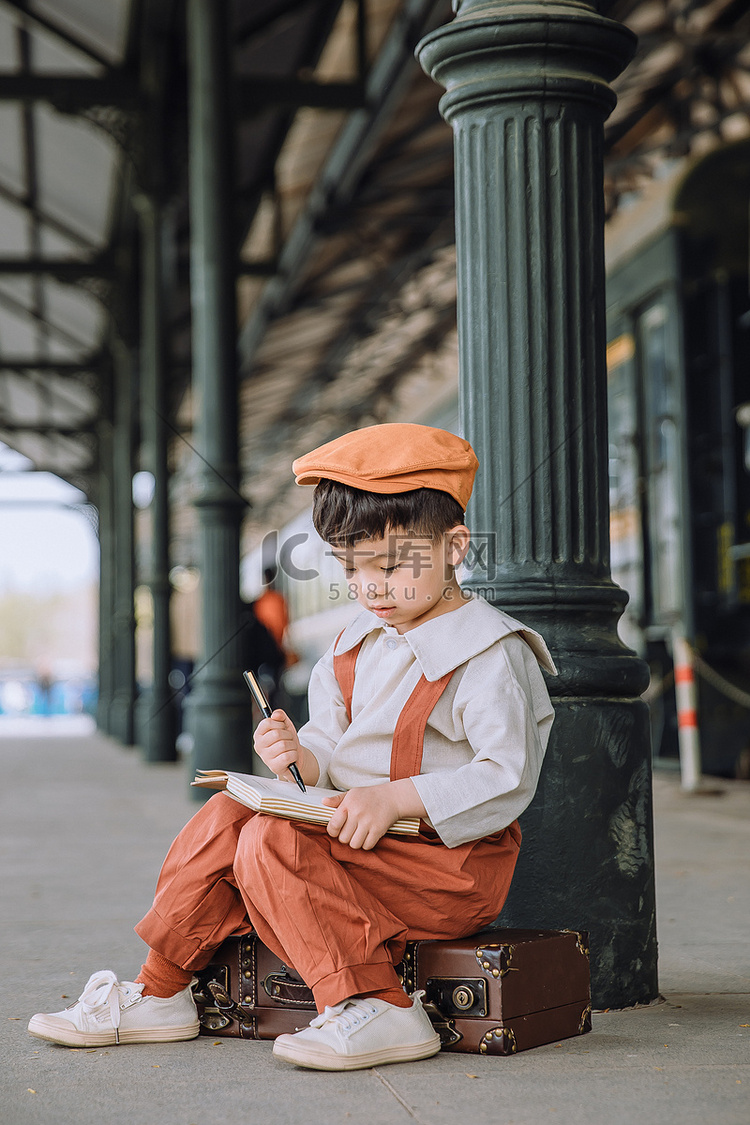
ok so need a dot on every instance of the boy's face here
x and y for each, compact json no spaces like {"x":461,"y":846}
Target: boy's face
{"x":404,"y":579}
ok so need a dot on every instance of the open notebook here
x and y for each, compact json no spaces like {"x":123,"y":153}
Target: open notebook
{"x":283,"y":798}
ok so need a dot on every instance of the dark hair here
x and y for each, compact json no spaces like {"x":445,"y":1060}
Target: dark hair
{"x":344,"y":516}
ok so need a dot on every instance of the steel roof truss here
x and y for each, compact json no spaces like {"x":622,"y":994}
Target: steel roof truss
{"x":97,"y":364}
{"x":340,"y":173}
{"x":63,"y":269}
{"x":72,"y":93}
{"x":36,"y":18}
{"x":19,"y":309}
{"x":50,"y":221}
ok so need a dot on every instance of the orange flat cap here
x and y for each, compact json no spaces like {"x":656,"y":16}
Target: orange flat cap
{"x":395,"y":457}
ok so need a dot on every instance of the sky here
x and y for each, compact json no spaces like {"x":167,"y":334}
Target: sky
{"x":46,"y":545}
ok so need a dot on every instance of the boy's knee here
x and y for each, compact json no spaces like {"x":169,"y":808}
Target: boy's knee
{"x":221,"y":809}
{"x":262,"y":839}
{"x":220,"y":817}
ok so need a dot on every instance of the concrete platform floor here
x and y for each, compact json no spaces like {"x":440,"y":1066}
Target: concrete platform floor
{"x":84,"y":826}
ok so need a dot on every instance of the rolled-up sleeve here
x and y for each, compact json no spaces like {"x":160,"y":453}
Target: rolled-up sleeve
{"x":504,"y":708}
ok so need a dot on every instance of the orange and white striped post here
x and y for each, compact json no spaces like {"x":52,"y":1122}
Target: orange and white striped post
{"x":687,"y":713}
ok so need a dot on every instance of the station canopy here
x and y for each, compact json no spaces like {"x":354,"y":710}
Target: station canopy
{"x":344,"y":197}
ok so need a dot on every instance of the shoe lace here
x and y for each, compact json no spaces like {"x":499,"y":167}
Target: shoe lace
{"x":346,"y":1015}
{"x":103,"y":990}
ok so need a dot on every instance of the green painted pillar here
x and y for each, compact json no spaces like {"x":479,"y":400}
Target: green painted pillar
{"x":527,"y":93}
{"x":218,"y":710}
{"x":157,"y":709}
{"x":105,"y":510}
{"x":122,"y":709}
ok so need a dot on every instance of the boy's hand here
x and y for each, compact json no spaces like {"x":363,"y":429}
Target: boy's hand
{"x":365,"y":813}
{"x":277,"y":745}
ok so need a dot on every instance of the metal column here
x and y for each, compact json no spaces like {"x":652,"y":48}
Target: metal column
{"x":122,"y":709}
{"x":527,"y":94}
{"x":105,"y":507}
{"x":157,"y":708}
{"x":219,"y":706}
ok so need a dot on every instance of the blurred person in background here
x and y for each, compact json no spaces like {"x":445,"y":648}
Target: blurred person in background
{"x":272,"y":612}
{"x":261,"y":652}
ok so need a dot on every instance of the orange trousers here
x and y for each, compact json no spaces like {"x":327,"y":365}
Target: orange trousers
{"x":339,"y":916}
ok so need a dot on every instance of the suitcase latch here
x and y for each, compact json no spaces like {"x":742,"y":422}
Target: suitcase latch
{"x":445,"y":1029}
{"x":227,"y":1009}
{"x":458,"y":996}
{"x":208,"y":1013}
{"x":219,"y":973}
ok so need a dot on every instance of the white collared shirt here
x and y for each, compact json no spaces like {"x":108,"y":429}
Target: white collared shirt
{"x":486,"y":736}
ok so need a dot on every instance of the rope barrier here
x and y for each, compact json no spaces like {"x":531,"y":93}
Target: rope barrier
{"x":716,"y":680}
{"x":655,"y":689}
{"x":687,"y":662}
{"x":709,"y":674}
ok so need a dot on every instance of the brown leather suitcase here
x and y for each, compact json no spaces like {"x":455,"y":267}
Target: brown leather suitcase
{"x":496,"y":993}
{"x":503,"y":991}
{"x":247,"y":992}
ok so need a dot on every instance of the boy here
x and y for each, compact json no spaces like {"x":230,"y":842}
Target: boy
{"x":429,"y":704}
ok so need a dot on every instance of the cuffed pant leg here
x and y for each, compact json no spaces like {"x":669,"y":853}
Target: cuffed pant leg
{"x":197,"y":904}
{"x":312,"y":913}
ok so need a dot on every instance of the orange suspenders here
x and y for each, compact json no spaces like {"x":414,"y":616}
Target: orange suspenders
{"x":408,"y":737}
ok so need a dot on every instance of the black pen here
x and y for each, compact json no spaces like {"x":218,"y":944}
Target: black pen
{"x":260,"y":698}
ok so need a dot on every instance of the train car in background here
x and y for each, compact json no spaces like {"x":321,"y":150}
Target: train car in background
{"x":679,"y":429}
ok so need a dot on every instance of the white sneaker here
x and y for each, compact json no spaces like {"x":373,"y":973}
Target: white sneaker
{"x":112,"y":1011}
{"x":360,"y":1033}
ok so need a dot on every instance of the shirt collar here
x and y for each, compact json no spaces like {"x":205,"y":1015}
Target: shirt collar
{"x":444,"y":643}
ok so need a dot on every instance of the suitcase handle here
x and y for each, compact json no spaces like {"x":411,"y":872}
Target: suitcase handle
{"x":282,"y":986}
